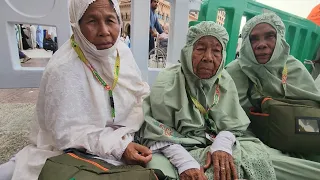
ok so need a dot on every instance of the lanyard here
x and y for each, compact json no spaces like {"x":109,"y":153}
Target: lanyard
{"x":98,"y":77}
{"x":284,"y":78}
{"x":205,"y":111}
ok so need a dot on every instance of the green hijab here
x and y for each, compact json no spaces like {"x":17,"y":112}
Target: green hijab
{"x":170,"y":114}
{"x":267,"y":77}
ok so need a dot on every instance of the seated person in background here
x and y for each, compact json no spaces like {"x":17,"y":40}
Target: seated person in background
{"x":50,"y":40}
{"x":193,"y":117}
{"x":163,"y":38}
{"x":265,"y":61}
{"x":74,"y":108}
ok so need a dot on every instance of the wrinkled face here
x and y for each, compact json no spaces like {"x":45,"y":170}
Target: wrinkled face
{"x":206,"y":57}
{"x":100,"y":24}
{"x":263,"y":39}
{"x":154,"y":4}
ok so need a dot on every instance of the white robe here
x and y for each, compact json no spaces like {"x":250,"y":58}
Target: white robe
{"x":73,"y":110}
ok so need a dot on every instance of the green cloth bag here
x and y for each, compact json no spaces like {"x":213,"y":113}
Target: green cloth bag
{"x":287,"y":125}
{"x":75,"y":165}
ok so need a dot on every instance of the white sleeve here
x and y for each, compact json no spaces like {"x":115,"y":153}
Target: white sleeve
{"x":102,"y":142}
{"x":223,"y":142}
{"x":177,"y":155}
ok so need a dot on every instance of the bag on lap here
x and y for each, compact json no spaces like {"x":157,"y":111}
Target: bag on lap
{"x":285,"y":124}
{"x":77,"y":165}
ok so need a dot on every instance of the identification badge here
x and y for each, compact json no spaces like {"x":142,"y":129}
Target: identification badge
{"x":210,"y":137}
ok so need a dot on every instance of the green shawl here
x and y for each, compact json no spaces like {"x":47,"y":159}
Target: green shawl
{"x":171,"y":116}
{"x":267,"y":77}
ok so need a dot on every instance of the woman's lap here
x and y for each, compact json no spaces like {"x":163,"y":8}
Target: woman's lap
{"x":7,"y":169}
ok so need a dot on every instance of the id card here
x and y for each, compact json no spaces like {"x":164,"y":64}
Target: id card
{"x":210,"y":137}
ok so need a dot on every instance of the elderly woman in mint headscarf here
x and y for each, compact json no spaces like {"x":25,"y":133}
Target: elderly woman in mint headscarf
{"x":265,"y":61}
{"x":90,"y":96}
{"x":193,"y":116}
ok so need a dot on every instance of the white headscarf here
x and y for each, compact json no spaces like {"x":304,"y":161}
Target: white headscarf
{"x":106,"y":57}
{"x":76,"y":11}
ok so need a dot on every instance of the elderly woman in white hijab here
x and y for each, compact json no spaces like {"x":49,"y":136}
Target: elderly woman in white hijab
{"x":90,"y":95}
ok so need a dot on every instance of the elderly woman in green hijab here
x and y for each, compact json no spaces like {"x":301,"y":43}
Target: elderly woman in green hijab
{"x":194,"y":123}
{"x":265,"y":61}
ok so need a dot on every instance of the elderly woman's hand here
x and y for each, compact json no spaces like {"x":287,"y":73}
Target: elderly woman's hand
{"x":136,"y":154}
{"x":223,"y":165}
{"x":193,"y":174}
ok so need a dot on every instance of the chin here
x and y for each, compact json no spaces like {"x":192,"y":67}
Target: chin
{"x":263,"y":61}
{"x":103,"y":47}
{"x":206,"y":76}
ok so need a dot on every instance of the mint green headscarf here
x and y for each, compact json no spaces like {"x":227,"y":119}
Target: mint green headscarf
{"x":170,"y":115}
{"x":267,"y":77}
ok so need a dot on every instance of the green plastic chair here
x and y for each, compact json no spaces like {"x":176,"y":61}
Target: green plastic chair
{"x":302,"y":35}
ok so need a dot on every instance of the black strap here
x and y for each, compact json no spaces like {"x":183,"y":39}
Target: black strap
{"x":80,"y":152}
{"x":256,"y":103}
{"x":160,"y":175}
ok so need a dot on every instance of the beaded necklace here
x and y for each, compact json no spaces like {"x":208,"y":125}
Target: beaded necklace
{"x":98,"y":77}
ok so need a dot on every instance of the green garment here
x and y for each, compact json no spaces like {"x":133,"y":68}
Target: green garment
{"x":316,"y":71}
{"x":171,"y":116}
{"x":267,"y":78}
{"x":317,"y":81}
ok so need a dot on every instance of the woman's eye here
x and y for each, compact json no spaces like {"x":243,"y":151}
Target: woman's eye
{"x":110,"y":21}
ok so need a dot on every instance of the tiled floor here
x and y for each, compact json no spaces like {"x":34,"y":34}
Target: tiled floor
{"x":24,"y":95}
{"x":36,"y":62}
{"x":39,"y":57}
{"x":38,"y":53}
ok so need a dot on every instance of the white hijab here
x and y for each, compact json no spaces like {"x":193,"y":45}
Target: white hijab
{"x":106,"y":57}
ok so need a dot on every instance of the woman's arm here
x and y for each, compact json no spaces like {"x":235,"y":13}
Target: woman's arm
{"x":223,"y":142}
{"x":177,"y":155}
{"x":73,"y":126}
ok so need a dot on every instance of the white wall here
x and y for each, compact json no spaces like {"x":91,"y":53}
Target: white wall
{"x":55,"y":13}
{"x":43,"y":12}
